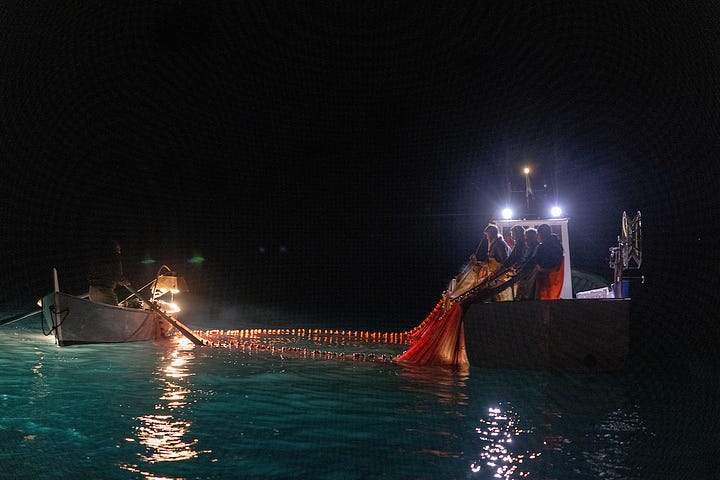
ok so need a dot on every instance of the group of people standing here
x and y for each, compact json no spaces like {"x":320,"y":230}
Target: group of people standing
{"x":534,"y":257}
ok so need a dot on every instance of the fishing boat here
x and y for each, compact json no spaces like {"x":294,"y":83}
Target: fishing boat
{"x":586,"y":331}
{"x":76,"y":320}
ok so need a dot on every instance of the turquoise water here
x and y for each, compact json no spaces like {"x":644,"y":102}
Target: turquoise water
{"x":168,"y":410}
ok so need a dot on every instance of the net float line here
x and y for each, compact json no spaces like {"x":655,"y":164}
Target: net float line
{"x":246,"y":345}
{"x":331,"y":335}
{"x":442,"y":305}
{"x":315,"y":334}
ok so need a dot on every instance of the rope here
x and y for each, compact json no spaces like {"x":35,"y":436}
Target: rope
{"x":53,"y":319}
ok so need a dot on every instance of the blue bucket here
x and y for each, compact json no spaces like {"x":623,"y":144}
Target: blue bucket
{"x":623,"y":292}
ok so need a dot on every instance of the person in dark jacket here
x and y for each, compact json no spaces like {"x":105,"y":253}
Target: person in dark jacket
{"x":548,"y":261}
{"x":498,"y":250}
{"x":519,"y":253}
{"x":106,"y":273}
{"x":531,"y":242}
{"x":549,"y":253}
{"x":541,"y":277}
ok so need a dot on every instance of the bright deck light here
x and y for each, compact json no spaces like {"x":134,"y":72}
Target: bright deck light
{"x":556,"y":211}
{"x":526,"y":170}
{"x":169,"y":307}
{"x":507,"y":213}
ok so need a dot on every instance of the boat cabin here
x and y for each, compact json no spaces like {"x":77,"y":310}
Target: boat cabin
{"x":559,"y":227}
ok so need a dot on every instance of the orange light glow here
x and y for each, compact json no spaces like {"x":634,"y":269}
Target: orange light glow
{"x":169,"y":307}
{"x":163,"y":432}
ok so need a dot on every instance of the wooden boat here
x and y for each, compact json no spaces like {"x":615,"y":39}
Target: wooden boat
{"x":578,"y":332}
{"x":76,"y":320}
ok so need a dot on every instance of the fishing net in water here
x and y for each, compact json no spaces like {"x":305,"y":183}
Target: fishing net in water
{"x":437,"y":340}
{"x":440,"y":338}
{"x":306,"y":342}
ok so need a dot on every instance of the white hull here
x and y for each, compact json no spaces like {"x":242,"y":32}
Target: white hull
{"x":79,"y":321}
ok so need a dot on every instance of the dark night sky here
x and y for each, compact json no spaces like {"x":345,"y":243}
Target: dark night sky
{"x":366,"y":140}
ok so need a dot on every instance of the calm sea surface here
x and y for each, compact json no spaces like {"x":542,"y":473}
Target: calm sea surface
{"x":169,"y":410}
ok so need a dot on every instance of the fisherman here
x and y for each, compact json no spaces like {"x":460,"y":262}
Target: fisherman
{"x":548,"y":260}
{"x":531,"y":242}
{"x":498,"y":253}
{"x":519,"y":249}
{"x":525,"y":286}
{"x":106,"y":273}
{"x":519,"y":255}
{"x":498,"y":250}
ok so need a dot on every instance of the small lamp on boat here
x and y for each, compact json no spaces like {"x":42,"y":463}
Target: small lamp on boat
{"x":170,"y":282}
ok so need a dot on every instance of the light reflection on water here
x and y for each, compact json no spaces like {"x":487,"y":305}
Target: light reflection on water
{"x":163,"y":436}
{"x":174,"y":411}
{"x":164,"y":433}
{"x":613,"y":437}
{"x":498,"y":431}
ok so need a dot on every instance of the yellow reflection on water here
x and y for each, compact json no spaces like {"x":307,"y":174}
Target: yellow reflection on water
{"x":148,"y":475}
{"x":499,"y":429}
{"x":164,"y":433}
